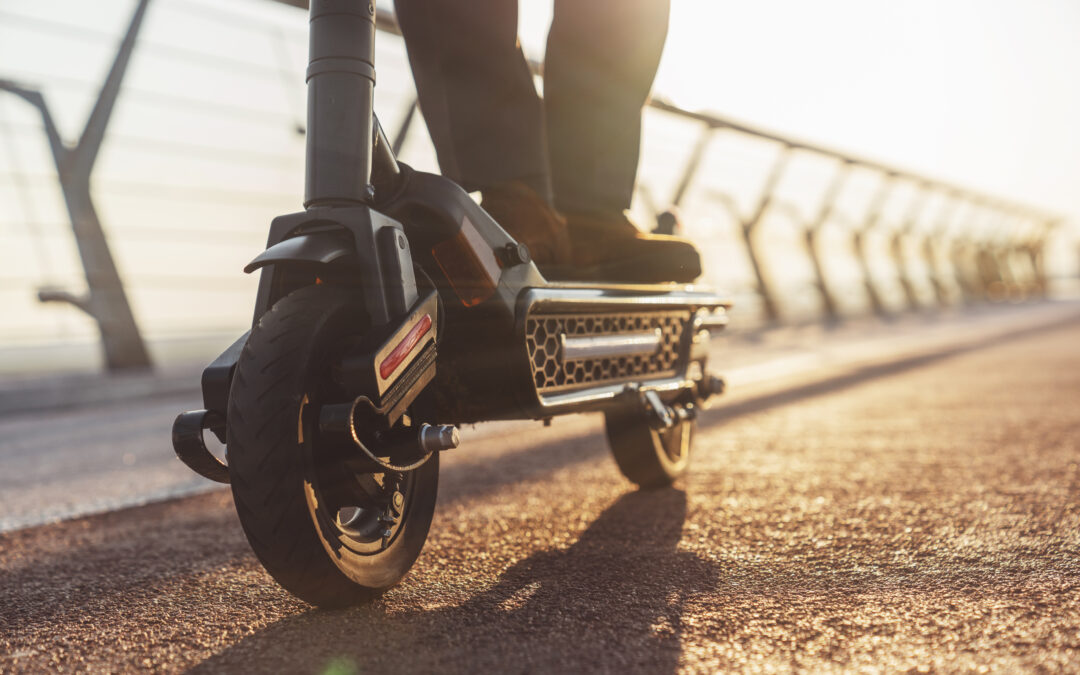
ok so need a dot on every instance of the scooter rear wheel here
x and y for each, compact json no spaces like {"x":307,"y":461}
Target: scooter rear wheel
{"x":330,"y":534}
{"x":646,"y":456}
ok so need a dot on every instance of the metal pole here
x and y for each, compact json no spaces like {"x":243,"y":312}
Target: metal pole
{"x":106,"y":302}
{"x":1036,"y":251}
{"x":828,"y":206}
{"x":1023,"y":270}
{"x":692,"y":164}
{"x":402,"y":133}
{"x":930,"y":250}
{"x":872,"y":219}
{"x":1003,"y":248}
{"x":750,"y":225}
{"x":911,"y":218}
{"x":971,"y":258}
{"x":341,"y":83}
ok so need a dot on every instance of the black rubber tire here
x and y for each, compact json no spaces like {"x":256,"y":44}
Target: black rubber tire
{"x":647,"y":457}
{"x":272,"y":461}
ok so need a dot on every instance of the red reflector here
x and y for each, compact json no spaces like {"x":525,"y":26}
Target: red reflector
{"x":412,"y":338}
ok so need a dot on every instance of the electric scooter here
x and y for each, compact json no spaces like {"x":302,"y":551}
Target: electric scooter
{"x":393,"y":309}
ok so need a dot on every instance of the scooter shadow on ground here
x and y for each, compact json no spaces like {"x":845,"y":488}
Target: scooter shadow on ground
{"x":624,"y":578}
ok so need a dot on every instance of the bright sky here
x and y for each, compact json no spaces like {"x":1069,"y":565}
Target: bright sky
{"x":982,"y":92}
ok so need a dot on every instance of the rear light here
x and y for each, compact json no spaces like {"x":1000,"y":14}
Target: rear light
{"x":469,"y":265}
{"x":403,"y":348}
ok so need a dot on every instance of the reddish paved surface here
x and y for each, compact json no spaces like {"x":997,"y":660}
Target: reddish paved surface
{"x":922,"y":519}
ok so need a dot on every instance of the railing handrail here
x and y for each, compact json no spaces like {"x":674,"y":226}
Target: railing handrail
{"x":997,"y":254}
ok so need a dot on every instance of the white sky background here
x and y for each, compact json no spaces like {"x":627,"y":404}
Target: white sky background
{"x":985,"y":93}
{"x":200,"y":155}
{"x":982,"y":92}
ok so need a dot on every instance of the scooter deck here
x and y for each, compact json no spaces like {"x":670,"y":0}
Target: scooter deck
{"x":587,"y":344}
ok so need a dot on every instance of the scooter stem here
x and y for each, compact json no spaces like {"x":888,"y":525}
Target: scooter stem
{"x":341,"y":83}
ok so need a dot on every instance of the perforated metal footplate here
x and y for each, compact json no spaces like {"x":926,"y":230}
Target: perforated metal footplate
{"x":552,"y":373}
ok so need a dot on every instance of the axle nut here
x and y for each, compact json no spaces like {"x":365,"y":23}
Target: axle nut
{"x":434,"y":438}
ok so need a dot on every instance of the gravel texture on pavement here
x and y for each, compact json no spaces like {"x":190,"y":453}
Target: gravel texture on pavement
{"x":924,"y":519}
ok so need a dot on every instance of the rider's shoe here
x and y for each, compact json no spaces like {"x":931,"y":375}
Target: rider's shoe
{"x":528,"y":217}
{"x":611,"y":248}
{"x":589,"y":247}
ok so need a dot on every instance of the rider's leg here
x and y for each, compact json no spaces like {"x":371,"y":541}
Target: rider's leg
{"x":601,"y":59}
{"x":486,"y":121}
{"x":475,"y":90}
{"x":602,"y":56}
{"x":483,"y":113}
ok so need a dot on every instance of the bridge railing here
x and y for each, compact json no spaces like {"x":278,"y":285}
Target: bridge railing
{"x":909,"y":240}
{"x":991,"y":248}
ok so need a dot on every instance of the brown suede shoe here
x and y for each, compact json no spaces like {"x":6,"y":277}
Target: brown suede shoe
{"x":610,"y":248}
{"x":527,"y":217}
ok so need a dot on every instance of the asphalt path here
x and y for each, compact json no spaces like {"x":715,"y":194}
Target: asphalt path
{"x":91,"y":444}
{"x":918,"y":516}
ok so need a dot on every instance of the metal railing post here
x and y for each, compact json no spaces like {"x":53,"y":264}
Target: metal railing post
{"x":870,"y":221}
{"x":402,"y":133}
{"x":750,"y":226}
{"x":825,"y":212}
{"x":692,"y":165}
{"x":106,"y":301}
{"x":1018,"y":255}
{"x":931,"y":252}
{"x":978,"y":277}
{"x":1012,"y":287}
{"x":911,"y":218}
{"x":1036,"y":250}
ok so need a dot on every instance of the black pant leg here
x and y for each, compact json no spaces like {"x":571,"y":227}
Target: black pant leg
{"x":476,"y":92}
{"x":601,"y":59}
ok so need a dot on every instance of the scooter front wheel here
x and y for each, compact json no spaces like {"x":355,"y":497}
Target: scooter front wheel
{"x":331,"y":531}
{"x":646,"y":456}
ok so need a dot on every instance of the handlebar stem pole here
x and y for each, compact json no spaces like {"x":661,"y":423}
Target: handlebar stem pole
{"x":341,"y":84}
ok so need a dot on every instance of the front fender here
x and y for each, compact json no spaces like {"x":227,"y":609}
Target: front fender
{"x":314,"y":247}
{"x":355,"y":245}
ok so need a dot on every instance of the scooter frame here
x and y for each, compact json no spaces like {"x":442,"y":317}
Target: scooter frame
{"x":409,"y":241}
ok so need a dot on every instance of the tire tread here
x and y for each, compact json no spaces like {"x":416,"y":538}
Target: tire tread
{"x":265,"y":466}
